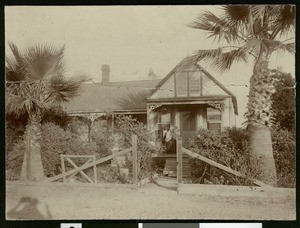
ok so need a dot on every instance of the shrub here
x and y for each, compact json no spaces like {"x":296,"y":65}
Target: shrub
{"x":230,"y":148}
{"x":55,"y":141}
{"x":14,"y":158}
{"x":126,"y":126}
{"x":284,"y":149}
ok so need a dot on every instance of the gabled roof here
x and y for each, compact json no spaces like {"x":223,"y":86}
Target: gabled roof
{"x":116,"y":96}
{"x":193,"y":67}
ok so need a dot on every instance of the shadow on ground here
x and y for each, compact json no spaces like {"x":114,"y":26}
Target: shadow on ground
{"x":166,"y":183}
{"x":27,"y":209}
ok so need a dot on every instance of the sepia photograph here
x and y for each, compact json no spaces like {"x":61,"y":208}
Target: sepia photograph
{"x":142,"y":112}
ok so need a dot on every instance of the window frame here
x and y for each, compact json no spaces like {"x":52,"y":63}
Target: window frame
{"x":176,"y":82}
{"x":214,"y":121}
{"x":188,"y":75}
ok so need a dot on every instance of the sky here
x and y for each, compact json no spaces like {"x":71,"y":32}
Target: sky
{"x":131,"y":39}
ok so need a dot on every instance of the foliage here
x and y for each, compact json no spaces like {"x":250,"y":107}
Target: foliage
{"x":248,"y":33}
{"x":126,"y":126}
{"x":14,"y":158}
{"x":57,"y":116}
{"x":283,"y":100}
{"x":58,"y":141}
{"x":36,"y":82}
{"x":284,"y":146}
{"x":55,"y":141}
{"x":35,"y":79}
{"x":230,"y":148}
{"x":15,"y":129}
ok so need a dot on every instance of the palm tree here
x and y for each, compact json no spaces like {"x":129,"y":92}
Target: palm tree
{"x":251,"y":33}
{"x":35,"y":82}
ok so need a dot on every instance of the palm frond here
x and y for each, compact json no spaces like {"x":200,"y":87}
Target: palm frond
{"x":62,"y":89}
{"x":217,"y":27}
{"x":284,"y":20}
{"x":220,"y":59}
{"x":289,"y":47}
{"x":43,"y":61}
{"x":14,"y":65}
{"x":237,"y":15}
{"x":19,"y":105}
{"x":253,"y":46}
{"x":16,"y":53}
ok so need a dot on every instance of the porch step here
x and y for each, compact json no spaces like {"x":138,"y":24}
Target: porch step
{"x":171,"y":166}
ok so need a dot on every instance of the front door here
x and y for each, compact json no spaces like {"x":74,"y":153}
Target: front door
{"x":187,"y":124}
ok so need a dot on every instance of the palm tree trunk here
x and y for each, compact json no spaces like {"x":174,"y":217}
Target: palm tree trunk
{"x":32,"y":167}
{"x":259,"y":117}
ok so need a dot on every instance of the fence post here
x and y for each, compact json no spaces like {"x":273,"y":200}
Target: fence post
{"x":134,"y":160}
{"x":179,"y":160}
{"x":63,"y":167}
{"x":95,"y":169}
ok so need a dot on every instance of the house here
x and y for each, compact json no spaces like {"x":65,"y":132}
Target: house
{"x":188,"y":98}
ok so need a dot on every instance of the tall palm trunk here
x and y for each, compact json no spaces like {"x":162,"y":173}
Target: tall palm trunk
{"x":32,"y":167}
{"x":259,"y":116}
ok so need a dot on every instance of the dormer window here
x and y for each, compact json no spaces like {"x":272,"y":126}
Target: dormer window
{"x":181,"y":84}
{"x":188,"y":84}
{"x":195,"y":83}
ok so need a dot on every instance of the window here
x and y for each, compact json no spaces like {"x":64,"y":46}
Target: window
{"x":188,"y":84}
{"x":181,"y":84}
{"x":214,"y":119}
{"x":194,"y":83}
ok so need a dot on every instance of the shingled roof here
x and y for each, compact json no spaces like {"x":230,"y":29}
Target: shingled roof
{"x":116,"y":96}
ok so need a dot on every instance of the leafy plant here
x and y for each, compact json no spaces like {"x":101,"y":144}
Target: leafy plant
{"x":126,"y":126}
{"x":230,"y":148}
{"x":284,"y":146}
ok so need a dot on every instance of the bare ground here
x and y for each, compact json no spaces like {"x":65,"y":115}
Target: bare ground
{"x":149,"y":202}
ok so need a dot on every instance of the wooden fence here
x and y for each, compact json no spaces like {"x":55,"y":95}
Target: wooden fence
{"x":92,"y":162}
{"x":180,"y":150}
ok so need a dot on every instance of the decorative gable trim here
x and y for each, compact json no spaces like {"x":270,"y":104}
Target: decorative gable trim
{"x":178,"y":66}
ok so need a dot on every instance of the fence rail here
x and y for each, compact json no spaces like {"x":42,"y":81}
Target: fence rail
{"x":181,"y":150}
{"x":92,"y":162}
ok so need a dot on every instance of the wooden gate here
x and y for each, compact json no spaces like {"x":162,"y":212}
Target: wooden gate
{"x":92,"y":162}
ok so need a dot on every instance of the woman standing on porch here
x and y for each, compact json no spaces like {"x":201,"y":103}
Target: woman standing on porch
{"x":168,"y":138}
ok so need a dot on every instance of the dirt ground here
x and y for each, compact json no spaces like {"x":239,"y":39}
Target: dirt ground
{"x":25,"y":202}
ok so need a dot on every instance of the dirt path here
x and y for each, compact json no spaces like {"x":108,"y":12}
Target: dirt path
{"x":150,"y":202}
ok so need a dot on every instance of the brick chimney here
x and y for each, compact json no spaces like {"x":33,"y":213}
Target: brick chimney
{"x":105,"y":74}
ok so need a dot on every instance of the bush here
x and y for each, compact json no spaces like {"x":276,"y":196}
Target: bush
{"x":14,"y":158}
{"x":14,"y":137}
{"x":230,"y":148}
{"x":55,"y":141}
{"x":126,"y":126}
{"x":284,"y":149}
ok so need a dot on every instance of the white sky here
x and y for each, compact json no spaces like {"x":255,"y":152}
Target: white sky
{"x":131,"y":39}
